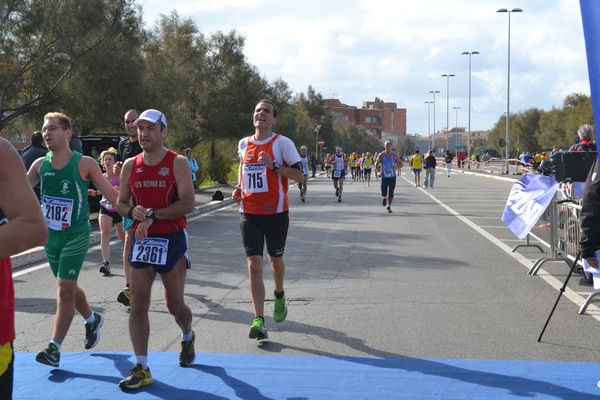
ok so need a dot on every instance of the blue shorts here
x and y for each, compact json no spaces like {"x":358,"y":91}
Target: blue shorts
{"x":416,"y":171}
{"x":160,"y":251}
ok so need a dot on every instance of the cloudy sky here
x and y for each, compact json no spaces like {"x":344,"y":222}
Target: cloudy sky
{"x":397,"y":50}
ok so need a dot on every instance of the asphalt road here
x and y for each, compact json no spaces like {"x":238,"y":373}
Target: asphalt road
{"x":436,"y":278}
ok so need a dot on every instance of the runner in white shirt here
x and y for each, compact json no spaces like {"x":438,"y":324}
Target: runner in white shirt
{"x":338,"y":172}
{"x":302,"y":185}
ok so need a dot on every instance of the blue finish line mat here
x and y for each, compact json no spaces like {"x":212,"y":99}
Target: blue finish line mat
{"x":85,"y":376}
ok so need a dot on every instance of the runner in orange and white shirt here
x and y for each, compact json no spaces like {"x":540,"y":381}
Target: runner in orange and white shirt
{"x":267,"y":160}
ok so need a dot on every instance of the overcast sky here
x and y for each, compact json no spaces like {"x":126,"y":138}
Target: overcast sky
{"x":397,"y":50}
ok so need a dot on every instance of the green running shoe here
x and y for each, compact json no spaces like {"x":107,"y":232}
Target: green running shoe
{"x":49,"y":356}
{"x":258,"y":330}
{"x":280,"y":309}
{"x":187,"y":354}
{"x":137,"y":378}
{"x":92,"y":331}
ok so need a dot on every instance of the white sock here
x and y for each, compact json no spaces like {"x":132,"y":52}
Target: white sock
{"x":143,"y":360}
{"x":186,"y":337}
{"x":90,"y":319}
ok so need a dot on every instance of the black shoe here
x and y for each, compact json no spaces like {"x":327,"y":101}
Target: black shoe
{"x":92,"y":331}
{"x":389,"y":209}
{"x":137,"y":378}
{"x":105,"y":268}
{"x":337,"y":192}
{"x":49,"y":356}
{"x":124,"y":296}
{"x":339,"y":199}
{"x":187,"y":354}
{"x":384,"y":202}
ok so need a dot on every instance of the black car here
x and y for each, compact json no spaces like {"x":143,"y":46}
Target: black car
{"x":93,"y":146}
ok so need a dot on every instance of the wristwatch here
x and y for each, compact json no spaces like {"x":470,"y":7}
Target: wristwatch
{"x":275,"y":165}
{"x":150,"y":214}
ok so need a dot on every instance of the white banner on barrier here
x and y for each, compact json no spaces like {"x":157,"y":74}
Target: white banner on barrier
{"x":526,"y":202}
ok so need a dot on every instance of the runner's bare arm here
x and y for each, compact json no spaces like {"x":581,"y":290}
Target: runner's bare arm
{"x":26,"y":227}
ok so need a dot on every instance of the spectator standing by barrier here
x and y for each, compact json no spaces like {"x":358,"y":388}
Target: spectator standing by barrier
{"x":22,"y":227}
{"x":430,"y":163}
{"x":585,"y":134}
{"x":194,"y":167}
{"x":34,"y":151}
{"x":128,"y":148}
{"x":448,"y":157}
{"x":589,"y":243}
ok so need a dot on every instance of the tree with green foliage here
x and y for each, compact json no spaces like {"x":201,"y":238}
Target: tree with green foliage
{"x":46,"y":43}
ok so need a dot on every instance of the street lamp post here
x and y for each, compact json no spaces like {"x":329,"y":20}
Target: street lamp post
{"x":470,"y":53}
{"x":317,"y":128}
{"x":447,"y":76}
{"x":507,"y":140}
{"x":429,"y":121}
{"x":456,"y":127}
{"x":433,"y":137}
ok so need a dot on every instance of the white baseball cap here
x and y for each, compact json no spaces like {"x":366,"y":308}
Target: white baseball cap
{"x":153,"y":116}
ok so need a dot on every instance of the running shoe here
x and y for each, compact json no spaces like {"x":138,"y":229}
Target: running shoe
{"x":258,"y":330}
{"x":92,"y":331}
{"x":137,"y":378}
{"x":337,"y":192}
{"x":384,"y":202}
{"x":302,"y":198}
{"x":389,"y":209}
{"x":49,"y":356}
{"x":339,"y":199}
{"x":105,"y":268}
{"x":124,"y":296}
{"x":280,"y":309}
{"x":187,"y":354}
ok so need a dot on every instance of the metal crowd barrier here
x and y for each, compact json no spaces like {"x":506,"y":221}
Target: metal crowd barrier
{"x":558,"y":228}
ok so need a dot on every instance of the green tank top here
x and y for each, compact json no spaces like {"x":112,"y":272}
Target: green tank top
{"x":64,"y":196}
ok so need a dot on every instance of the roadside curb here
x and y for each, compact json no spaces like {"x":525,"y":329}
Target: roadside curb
{"x":37,"y":254}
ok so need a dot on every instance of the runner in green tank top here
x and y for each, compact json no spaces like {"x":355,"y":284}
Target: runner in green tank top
{"x":64,"y":176}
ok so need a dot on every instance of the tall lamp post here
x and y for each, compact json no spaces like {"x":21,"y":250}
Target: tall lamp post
{"x":447,"y":76}
{"x":429,"y":103}
{"x":433,"y":137}
{"x":507,"y":140}
{"x":456,"y":127}
{"x":317,"y":128}
{"x":470,"y":53}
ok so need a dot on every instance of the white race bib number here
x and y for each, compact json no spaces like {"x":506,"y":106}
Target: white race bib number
{"x":58,"y":212}
{"x":150,"y":251}
{"x":388,"y":173}
{"x":255,"y":178}
{"x":337,"y":173}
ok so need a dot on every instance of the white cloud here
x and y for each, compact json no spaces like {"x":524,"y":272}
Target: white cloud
{"x":397,"y":50}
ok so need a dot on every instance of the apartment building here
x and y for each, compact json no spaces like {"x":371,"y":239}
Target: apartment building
{"x":378,"y":117}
